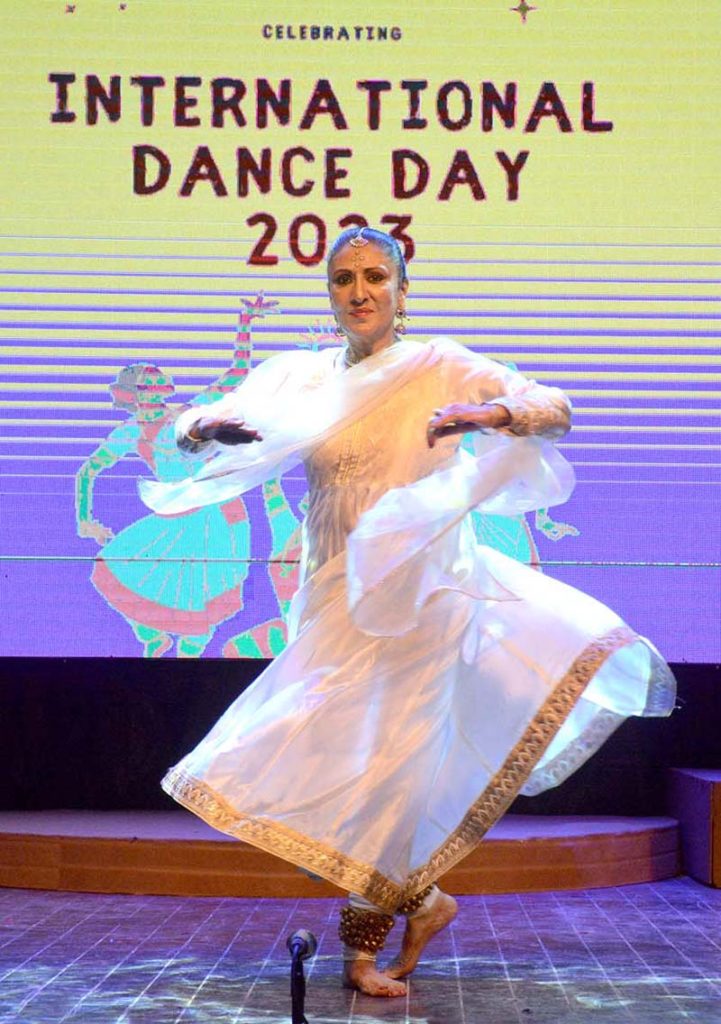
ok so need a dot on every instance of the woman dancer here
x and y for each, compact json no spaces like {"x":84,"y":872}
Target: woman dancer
{"x":428,"y":680}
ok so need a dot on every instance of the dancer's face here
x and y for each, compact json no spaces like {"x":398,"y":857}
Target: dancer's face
{"x":123,"y":397}
{"x":149,"y":388}
{"x":365,"y":294}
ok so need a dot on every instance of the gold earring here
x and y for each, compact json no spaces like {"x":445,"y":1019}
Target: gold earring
{"x":402,"y":317}
{"x":338,"y":330}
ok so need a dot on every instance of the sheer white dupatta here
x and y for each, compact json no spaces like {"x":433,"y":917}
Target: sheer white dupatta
{"x":413,"y":541}
{"x":297,"y":400}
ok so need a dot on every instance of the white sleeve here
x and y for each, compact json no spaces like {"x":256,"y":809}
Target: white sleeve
{"x":534,"y":408}
{"x":252,"y":401}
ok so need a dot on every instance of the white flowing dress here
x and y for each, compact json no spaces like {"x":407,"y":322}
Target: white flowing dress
{"x":428,"y":679}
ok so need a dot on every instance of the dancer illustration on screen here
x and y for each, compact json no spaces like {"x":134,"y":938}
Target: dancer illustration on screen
{"x":174,"y":581}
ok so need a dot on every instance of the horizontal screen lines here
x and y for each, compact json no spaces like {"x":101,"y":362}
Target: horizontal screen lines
{"x":131,"y":478}
{"x":43,"y":458}
{"x":556,"y":563}
{"x":270,"y":280}
{"x":50,"y":421}
{"x":505,"y":279}
{"x":320,"y":295}
{"x":566,"y":445}
{"x":174,"y":274}
{"x":440,"y":261}
{"x":43,"y":422}
{"x":504,"y":349}
{"x":54,"y":403}
{"x":209,"y":373}
{"x":61,"y":388}
{"x":645,"y":394}
{"x":428,"y":243}
{"x":633,"y":428}
{"x":628,"y":473}
{"x":103,"y":370}
{"x":673,"y":446}
{"x":675,"y":466}
{"x":213,"y":358}
{"x":534,"y":261}
{"x":653,"y":482}
{"x":443,"y":243}
{"x":509,"y":349}
{"x":577,"y":464}
{"x":217,"y":356}
{"x":451,"y":321}
{"x":52,"y":476}
{"x":528,"y":348}
{"x":297,"y":329}
{"x":54,"y":439}
{"x":596,"y":392}
{"x":323,"y":310}
{"x":166,"y":560}
{"x":620,"y":563}
{"x":602,"y":375}
{"x":444,"y":303}
{"x":78,"y":386}
{"x":682,"y":358}
{"x":188,"y":391}
{"x":604,"y":418}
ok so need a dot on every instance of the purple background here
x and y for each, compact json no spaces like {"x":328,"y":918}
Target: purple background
{"x":646,"y":505}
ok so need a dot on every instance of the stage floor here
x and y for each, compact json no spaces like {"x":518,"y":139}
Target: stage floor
{"x":647,"y":954}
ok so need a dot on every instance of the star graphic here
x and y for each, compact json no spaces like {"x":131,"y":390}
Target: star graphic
{"x":523,"y":8}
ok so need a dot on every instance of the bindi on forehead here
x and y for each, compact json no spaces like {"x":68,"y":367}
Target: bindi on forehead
{"x":370,"y":259}
{"x":358,"y":244}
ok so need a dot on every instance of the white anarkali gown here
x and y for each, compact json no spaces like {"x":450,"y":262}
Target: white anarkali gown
{"x":428,"y":680}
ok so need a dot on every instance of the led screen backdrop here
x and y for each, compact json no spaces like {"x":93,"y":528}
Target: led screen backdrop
{"x":173,"y":173}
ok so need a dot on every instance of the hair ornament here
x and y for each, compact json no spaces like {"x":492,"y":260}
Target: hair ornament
{"x":358,"y":240}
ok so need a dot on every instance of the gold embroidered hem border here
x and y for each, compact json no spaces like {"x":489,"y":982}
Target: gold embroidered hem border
{"x":354,"y":876}
{"x":660,"y":698}
{"x":575,"y":754}
{"x":283,"y":842}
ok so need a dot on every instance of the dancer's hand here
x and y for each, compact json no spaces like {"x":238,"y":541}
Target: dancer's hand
{"x":460,"y":419}
{"x":98,"y":532}
{"x":551,"y":529}
{"x":230,"y":431}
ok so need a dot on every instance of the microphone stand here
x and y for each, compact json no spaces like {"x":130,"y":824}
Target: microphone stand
{"x":302,"y":945}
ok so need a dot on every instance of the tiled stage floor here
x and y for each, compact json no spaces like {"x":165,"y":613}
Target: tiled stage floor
{"x":650,"y":954}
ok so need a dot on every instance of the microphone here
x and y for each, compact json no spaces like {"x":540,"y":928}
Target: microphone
{"x":302,"y":944}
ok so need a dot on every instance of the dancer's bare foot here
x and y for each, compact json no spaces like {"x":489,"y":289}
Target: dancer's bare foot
{"x":419,"y":932}
{"x":365,"y":976}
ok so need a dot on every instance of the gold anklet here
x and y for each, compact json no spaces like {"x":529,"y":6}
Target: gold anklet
{"x":415,"y":902}
{"x":363,"y":929}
